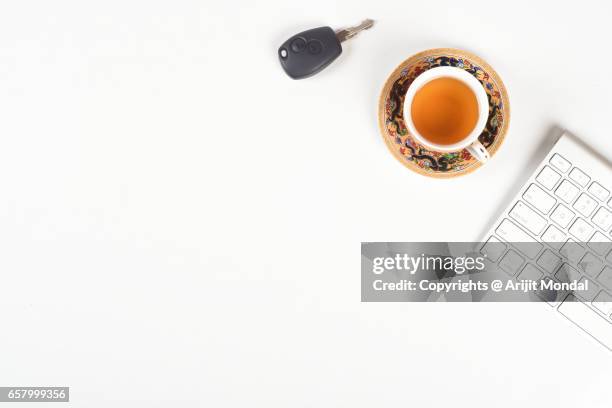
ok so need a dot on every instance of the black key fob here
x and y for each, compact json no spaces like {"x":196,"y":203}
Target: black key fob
{"x":309,"y":52}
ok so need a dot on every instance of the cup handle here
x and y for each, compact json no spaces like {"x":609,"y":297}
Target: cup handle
{"x":479,"y":152}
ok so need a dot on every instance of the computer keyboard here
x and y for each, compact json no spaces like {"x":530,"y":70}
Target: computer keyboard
{"x":559,"y":227}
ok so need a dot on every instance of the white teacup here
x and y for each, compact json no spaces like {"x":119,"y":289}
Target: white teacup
{"x":470,"y":142}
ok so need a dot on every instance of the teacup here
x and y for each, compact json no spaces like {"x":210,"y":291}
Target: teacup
{"x":446,"y":109}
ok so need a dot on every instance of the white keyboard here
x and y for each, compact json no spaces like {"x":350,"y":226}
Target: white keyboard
{"x":559,"y":226}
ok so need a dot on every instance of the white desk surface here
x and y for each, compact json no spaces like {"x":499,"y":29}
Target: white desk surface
{"x":181,"y":222}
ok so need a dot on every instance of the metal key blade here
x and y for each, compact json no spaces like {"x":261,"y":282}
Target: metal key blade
{"x":348,"y":33}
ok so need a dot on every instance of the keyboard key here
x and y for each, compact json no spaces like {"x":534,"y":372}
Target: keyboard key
{"x":603,"y":219}
{"x":540,"y":199}
{"x":585,"y":205}
{"x":560,"y":163}
{"x":549,"y":261}
{"x":531,"y":273}
{"x":600,"y":243}
{"x":589,"y":292}
{"x":548,"y":177}
{"x":603,"y":302}
{"x":554,"y":237}
{"x":510,"y":232}
{"x":551,"y":296}
{"x":572,"y":251}
{"x":511,"y":262}
{"x":567,"y":274}
{"x":589,"y":321}
{"x":579,"y":177}
{"x":590,"y":264}
{"x":599,"y":191}
{"x":528,"y":218}
{"x":493,"y":249}
{"x":605,"y":277}
{"x":567,"y":191}
{"x":581,"y":230}
{"x":562,"y":215}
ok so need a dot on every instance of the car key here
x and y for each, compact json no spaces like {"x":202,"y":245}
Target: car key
{"x":309,"y":52}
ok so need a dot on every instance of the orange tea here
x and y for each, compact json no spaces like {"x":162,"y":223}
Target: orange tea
{"x":444,"y":111}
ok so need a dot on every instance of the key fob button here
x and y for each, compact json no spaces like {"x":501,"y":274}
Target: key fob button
{"x":315,"y":47}
{"x":298,"y":45}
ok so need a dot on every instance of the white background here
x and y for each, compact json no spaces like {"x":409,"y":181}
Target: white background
{"x":180,"y":222}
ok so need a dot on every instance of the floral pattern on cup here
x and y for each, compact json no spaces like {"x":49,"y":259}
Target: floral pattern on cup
{"x":415,"y":155}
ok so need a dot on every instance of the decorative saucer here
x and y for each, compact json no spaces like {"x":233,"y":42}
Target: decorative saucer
{"x":416,"y":156}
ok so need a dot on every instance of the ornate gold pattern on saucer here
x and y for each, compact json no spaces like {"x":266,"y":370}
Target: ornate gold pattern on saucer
{"x":411,"y":153}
